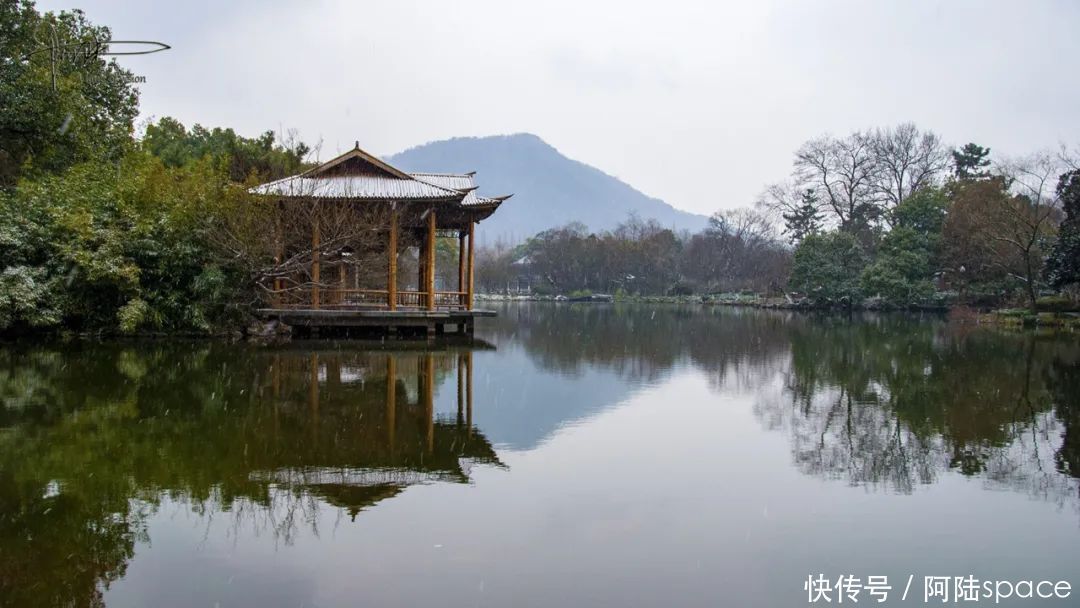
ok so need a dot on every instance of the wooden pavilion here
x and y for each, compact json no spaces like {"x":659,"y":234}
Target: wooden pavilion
{"x":344,"y":228}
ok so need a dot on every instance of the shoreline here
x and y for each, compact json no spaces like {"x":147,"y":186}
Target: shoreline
{"x":1002,"y":317}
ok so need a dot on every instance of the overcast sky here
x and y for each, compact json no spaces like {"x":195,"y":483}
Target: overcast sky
{"x":700,"y":104}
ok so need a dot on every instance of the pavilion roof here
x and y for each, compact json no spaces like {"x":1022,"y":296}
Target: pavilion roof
{"x":359,"y":175}
{"x":463,"y":182}
{"x":368,"y":187}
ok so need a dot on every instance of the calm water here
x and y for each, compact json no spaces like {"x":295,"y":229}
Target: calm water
{"x":584,"y":455}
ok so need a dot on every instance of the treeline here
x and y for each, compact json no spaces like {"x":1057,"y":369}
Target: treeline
{"x":738,"y":251}
{"x":101,"y":230}
{"x":895,"y":214}
{"x":891,"y":214}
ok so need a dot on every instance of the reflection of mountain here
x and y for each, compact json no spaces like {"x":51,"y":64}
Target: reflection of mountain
{"x":571,"y":361}
{"x":219,"y":427}
{"x":891,"y":400}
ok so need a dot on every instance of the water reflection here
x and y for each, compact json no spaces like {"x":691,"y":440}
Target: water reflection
{"x":894,"y":404}
{"x":887,"y":401}
{"x":94,"y":439}
{"x":100,"y":445}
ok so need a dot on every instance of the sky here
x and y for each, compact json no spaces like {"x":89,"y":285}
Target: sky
{"x":698,"y":103}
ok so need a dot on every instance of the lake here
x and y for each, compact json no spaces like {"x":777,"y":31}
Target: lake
{"x":572,"y":455}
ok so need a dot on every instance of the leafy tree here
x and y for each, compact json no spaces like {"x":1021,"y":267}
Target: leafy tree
{"x":60,"y":108}
{"x":827,"y":266}
{"x":804,"y":220}
{"x":96,"y":248}
{"x":1063,"y":267}
{"x":971,"y":162}
{"x":907,"y":259}
{"x":262,"y":157}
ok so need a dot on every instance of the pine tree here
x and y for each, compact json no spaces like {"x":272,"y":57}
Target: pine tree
{"x":805,"y":219}
{"x":970,"y":162}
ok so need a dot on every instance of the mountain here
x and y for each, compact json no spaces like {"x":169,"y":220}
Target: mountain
{"x":549,"y":189}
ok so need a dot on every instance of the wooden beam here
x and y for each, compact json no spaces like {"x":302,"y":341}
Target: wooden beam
{"x":391,"y":267}
{"x":472,"y":258}
{"x":430,"y":272}
{"x":315,"y":257}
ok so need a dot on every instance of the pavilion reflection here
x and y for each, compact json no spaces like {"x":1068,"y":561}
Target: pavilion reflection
{"x":370,"y":424}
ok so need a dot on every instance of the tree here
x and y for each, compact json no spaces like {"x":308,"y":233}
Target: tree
{"x":1063,"y":267}
{"x":266,"y":157}
{"x":827,"y":266}
{"x":971,"y":162}
{"x":805,"y":219}
{"x":60,"y":108}
{"x":907,"y":160}
{"x":843,"y":172}
{"x":969,"y":254}
{"x":1025,"y":224}
{"x":739,"y":250}
{"x":907,"y":259}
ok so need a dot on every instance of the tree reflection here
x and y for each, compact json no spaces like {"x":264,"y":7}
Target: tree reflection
{"x":893,"y":403}
{"x":94,"y":439}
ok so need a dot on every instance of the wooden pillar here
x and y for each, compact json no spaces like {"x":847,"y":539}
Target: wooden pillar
{"x":315,"y":257}
{"x":430,"y":262}
{"x":429,"y":399}
{"x":391,"y":266}
{"x":391,"y":402}
{"x":472,"y":258}
{"x":461,"y":266}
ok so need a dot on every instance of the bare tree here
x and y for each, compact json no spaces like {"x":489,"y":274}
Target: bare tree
{"x":907,"y":160}
{"x":844,"y":171}
{"x":1026,"y":222}
{"x":271,"y":239}
{"x":780,"y":198}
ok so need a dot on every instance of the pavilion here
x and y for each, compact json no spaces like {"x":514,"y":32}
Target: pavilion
{"x":341,"y":231}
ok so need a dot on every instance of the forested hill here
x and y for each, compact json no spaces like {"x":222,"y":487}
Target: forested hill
{"x":549,"y":189}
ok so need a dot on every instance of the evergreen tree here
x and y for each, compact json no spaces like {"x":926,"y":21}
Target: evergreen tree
{"x":805,"y":219}
{"x":970,"y":162}
{"x":1063,"y":267}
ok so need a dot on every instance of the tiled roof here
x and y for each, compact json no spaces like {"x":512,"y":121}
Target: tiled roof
{"x":371,"y":187}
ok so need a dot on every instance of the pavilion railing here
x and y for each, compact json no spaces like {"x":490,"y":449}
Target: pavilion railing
{"x":301,"y":298}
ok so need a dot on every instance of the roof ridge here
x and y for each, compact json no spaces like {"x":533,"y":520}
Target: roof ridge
{"x":357,"y":152}
{"x":441,"y":174}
